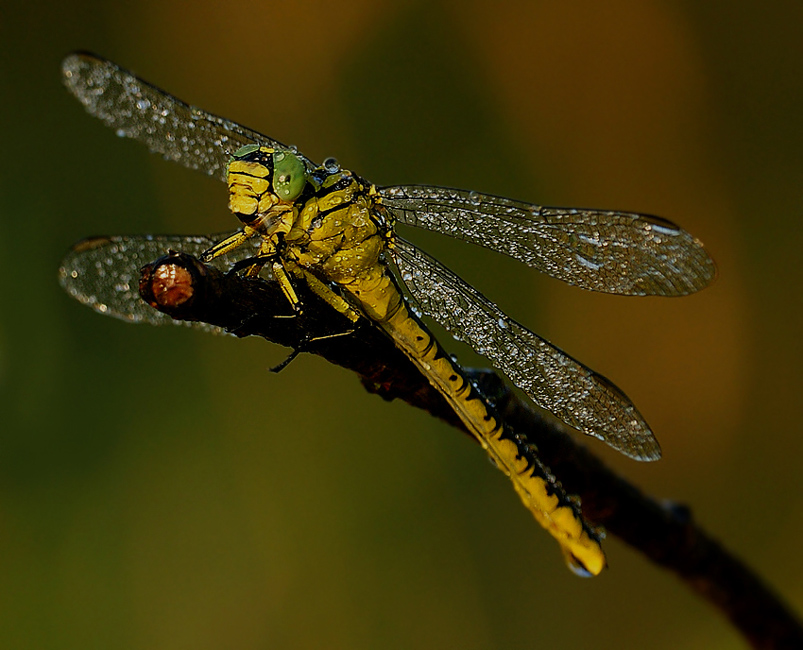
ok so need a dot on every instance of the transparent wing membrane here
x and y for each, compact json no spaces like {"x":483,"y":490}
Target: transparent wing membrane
{"x":612,"y":252}
{"x":607,"y":251}
{"x":551,"y":378}
{"x":165,"y":124}
{"x":103,"y":272}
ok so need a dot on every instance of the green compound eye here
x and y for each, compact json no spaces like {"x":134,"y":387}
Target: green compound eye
{"x":289,"y":176}
{"x":243,"y":151}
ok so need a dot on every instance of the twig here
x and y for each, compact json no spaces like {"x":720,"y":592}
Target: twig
{"x":184,"y":288}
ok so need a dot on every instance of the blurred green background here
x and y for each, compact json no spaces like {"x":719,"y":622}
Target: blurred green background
{"x":159,"y":488}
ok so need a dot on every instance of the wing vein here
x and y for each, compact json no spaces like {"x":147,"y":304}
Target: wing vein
{"x":165,"y":124}
{"x":608,"y":251}
{"x":555,"y":381}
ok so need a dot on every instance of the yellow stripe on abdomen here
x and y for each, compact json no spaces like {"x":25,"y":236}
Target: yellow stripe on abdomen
{"x":511,"y":453}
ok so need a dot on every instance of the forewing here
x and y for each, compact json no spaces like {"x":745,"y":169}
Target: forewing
{"x":165,"y":124}
{"x":555,"y":381}
{"x":613,"y":252}
{"x":103,"y":272}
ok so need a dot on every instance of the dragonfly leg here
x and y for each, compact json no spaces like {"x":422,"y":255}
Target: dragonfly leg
{"x":302,"y":346}
{"x":228,"y":244}
{"x":287,"y":361}
{"x":285,"y":284}
{"x":267,"y":253}
{"x":323,"y":291}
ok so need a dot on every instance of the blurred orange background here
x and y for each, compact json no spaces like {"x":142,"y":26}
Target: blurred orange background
{"x":160,"y":489}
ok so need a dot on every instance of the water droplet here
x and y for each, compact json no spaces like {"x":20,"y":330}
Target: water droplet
{"x":594,"y":266}
{"x":143,"y":104}
{"x":331,"y":165}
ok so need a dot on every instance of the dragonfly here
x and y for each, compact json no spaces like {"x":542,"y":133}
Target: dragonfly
{"x":335,"y":232}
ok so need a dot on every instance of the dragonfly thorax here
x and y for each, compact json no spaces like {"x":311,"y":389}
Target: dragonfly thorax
{"x":339,"y":231}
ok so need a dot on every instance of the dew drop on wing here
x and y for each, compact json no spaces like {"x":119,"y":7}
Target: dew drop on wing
{"x":594,"y":266}
{"x":665,"y":230}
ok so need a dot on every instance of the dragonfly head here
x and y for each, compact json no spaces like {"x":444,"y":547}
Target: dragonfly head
{"x":264,"y":183}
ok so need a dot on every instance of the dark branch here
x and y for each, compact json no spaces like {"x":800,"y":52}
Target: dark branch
{"x":184,"y":288}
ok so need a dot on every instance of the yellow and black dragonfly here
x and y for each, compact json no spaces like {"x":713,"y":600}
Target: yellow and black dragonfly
{"x":334,"y":231}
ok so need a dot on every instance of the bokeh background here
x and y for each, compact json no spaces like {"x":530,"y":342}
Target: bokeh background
{"x":159,"y":488}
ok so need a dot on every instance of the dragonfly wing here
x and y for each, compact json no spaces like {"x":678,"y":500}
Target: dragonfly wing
{"x":165,"y":124}
{"x":103,"y":273}
{"x":613,"y":252}
{"x":555,"y":381}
